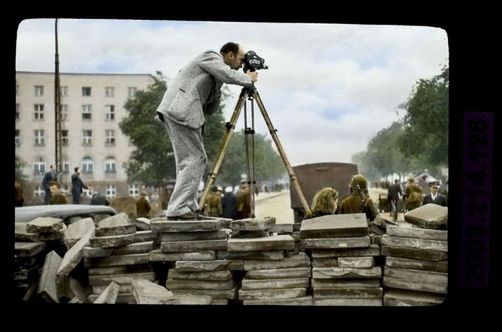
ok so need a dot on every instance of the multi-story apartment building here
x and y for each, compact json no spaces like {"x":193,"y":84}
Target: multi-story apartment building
{"x":92,"y":108}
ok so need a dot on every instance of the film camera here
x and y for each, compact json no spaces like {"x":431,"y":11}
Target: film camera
{"x":253,"y":62}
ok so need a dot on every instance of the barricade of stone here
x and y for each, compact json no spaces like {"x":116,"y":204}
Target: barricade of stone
{"x":343,"y":268}
{"x":117,"y":255}
{"x":416,"y":263}
{"x":34,"y":241}
{"x":267,"y":269}
{"x":191,"y":247}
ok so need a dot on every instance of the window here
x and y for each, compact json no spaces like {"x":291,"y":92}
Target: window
{"x":131,"y":91}
{"x":39,"y":90}
{"x":39,"y":167}
{"x":38,"y":191}
{"x":110,"y":166}
{"x":111,"y":190}
{"x":39,"y":137}
{"x":87,"y":165}
{"x":63,"y":91}
{"x":64,"y":137}
{"x":110,"y":112}
{"x":38,"y":111}
{"x":109,"y":91}
{"x":18,"y":142}
{"x":86,"y":91}
{"x":64,"y":112}
{"x":17,"y":111}
{"x":86,"y":137}
{"x":133,"y":190}
{"x":110,"y":137}
{"x":86,"y":112}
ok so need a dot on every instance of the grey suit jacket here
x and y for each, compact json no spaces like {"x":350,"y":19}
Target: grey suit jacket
{"x":195,"y":91}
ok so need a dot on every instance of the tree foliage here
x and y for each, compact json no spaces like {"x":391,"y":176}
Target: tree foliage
{"x":417,"y":142}
{"x":426,"y":121}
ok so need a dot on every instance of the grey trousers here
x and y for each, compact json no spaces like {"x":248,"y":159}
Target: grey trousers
{"x":191,"y":161}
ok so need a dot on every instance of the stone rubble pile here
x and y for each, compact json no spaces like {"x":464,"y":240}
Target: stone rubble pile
{"x":343,"y":269}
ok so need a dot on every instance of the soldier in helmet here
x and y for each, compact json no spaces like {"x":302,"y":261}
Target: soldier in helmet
{"x":413,"y":195}
{"x":359,"y":201}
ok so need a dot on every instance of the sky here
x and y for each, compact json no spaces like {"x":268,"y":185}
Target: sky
{"x":328,"y":90}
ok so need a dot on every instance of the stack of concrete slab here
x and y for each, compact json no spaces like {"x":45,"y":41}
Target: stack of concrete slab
{"x":191,"y":247}
{"x":343,"y":269}
{"x":116,"y":256}
{"x":416,"y":263}
{"x":271,"y":271}
{"x":34,"y":240}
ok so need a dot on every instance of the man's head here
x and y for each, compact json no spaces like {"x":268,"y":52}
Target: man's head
{"x":358,"y":182}
{"x":233,"y":55}
{"x":76,"y":169}
{"x":54,"y":188}
{"x":434,"y":188}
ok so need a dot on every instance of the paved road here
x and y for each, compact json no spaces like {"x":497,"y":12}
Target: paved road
{"x":276,"y":205}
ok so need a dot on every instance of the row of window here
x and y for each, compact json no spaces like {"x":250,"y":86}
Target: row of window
{"x":39,"y":135}
{"x":39,"y":111}
{"x":86,"y":91}
{"x":86,"y":168}
{"x":110,"y":192}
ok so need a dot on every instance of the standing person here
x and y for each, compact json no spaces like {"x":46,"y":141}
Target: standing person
{"x":50,"y":176}
{"x":228,"y":203}
{"x":19,"y":194}
{"x":359,"y":201}
{"x":434,"y":196}
{"x":191,"y":96}
{"x":243,"y":202}
{"x":393,"y":195}
{"x":143,"y":206}
{"x":77,"y":186}
{"x":413,"y":195}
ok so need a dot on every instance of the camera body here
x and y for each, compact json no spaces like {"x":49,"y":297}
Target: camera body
{"x":253,"y":62}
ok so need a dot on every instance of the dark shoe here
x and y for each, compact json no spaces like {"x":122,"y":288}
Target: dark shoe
{"x":186,"y":216}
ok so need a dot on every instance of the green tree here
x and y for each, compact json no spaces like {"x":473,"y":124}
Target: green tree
{"x":268,"y":164}
{"x":426,"y":122}
{"x":152,"y":162}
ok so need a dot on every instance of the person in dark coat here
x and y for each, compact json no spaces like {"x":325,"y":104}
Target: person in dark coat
{"x":228,"y":203}
{"x":434,"y":197}
{"x":98,"y":199}
{"x":77,"y":186}
{"x":46,"y":181}
{"x":393,"y":195}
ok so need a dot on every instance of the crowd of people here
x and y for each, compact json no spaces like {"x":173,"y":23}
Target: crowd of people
{"x":325,"y":201}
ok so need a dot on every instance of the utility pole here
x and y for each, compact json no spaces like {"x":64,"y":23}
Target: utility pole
{"x":57,"y":112}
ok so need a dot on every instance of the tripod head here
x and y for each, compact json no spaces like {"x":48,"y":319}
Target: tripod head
{"x":253,"y":62}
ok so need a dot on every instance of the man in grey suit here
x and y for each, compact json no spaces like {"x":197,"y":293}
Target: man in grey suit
{"x":191,"y":96}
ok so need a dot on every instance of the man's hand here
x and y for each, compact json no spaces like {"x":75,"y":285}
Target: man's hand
{"x":253,"y":75}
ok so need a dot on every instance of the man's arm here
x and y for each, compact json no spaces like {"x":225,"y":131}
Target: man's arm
{"x":212,"y":62}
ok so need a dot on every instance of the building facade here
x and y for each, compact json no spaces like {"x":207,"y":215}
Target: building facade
{"x":92,"y":108}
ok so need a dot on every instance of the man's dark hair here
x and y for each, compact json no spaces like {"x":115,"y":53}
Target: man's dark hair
{"x":76,"y":169}
{"x":230,"y":47}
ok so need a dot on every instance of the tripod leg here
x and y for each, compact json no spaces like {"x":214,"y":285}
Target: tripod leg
{"x":223,"y":146}
{"x":285,"y":160}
